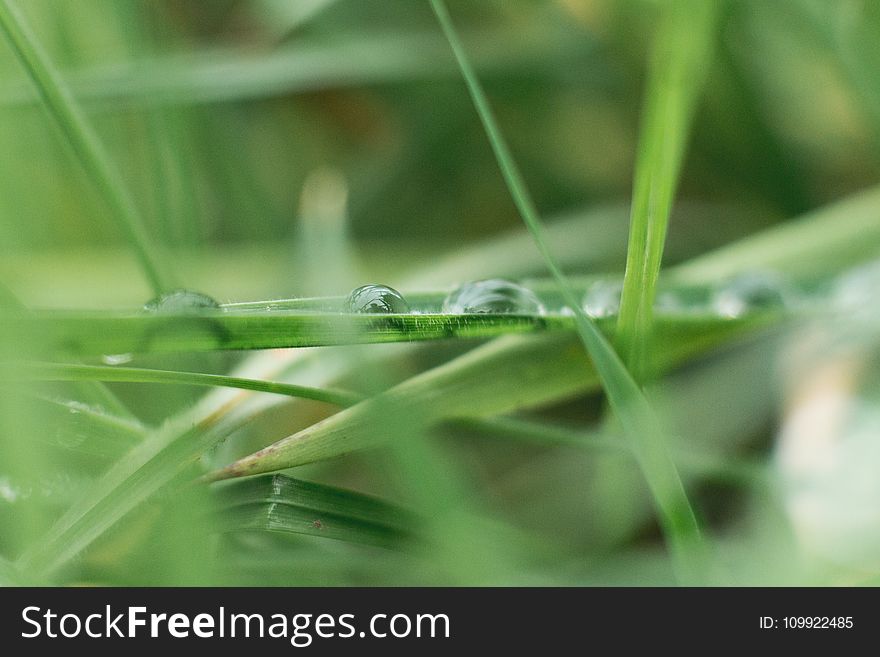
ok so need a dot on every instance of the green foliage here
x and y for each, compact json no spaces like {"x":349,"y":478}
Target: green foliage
{"x":285,"y":155}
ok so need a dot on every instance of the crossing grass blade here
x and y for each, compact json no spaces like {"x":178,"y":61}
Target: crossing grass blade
{"x":84,"y":142}
{"x":629,"y":404}
{"x":504,"y":375}
{"x":681,"y":55}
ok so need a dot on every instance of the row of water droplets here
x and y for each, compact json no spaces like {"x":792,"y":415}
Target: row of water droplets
{"x":754,"y":291}
{"x":740,"y":295}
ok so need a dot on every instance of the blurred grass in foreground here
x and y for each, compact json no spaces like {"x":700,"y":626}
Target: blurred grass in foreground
{"x":219,"y":119}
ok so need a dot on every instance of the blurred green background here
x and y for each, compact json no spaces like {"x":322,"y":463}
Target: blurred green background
{"x":222,"y":115}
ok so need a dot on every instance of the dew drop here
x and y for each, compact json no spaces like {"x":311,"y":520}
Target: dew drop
{"x":749,"y":292}
{"x":181,"y":301}
{"x":602,"y":298}
{"x":668,"y":301}
{"x":9,"y":492}
{"x":376,"y":299}
{"x":116,"y":359}
{"x":492,"y":296}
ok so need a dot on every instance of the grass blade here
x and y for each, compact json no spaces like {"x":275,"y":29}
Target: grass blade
{"x":88,"y":430}
{"x":282,"y":504}
{"x":71,"y":372}
{"x":717,"y":466}
{"x":816,"y":245}
{"x":680,"y":58}
{"x":306,"y":65}
{"x":504,"y":375}
{"x":626,"y":399}
{"x":84,"y":141}
{"x":96,"y":333}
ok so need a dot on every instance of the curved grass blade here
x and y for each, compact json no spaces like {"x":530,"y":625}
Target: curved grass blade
{"x":161,"y":457}
{"x":626,"y":399}
{"x":680,"y":58}
{"x":69,"y":372}
{"x":155,"y":462}
{"x":283,"y":504}
{"x":504,"y":375}
{"x":84,"y":141}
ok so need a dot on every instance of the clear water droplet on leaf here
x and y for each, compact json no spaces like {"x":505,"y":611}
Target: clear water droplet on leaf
{"x":602,"y":298}
{"x":376,"y":299}
{"x":181,"y":301}
{"x":751,"y":291}
{"x":116,"y":359}
{"x":492,"y":296}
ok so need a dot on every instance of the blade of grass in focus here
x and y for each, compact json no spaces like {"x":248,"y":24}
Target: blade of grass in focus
{"x":680,"y":57}
{"x":633,"y":410}
{"x":85,"y":143}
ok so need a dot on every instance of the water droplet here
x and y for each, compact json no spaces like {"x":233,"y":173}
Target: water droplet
{"x":9,"y":492}
{"x":492,"y":296}
{"x":181,"y":301}
{"x":116,"y":359}
{"x":751,"y":291}
{"x":856,"y":288}
{"x":69,"y":439}
{"x":602,"y":298}
{"x":376,"y":299}
{"x":668,"y":301}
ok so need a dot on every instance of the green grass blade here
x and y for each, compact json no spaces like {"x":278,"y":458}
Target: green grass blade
{"x":716,"y":466}
{"x":96,"y":333}
{"x":816,"y":245}
{"x":86,"y":429}
{"x":304,"y":65}
{"x":279,"y":503}
{"x":71,"y":372}
{"x":629,"y":404}
{"x":154,"y":463}
{"x":680,"y":58}
{"x":89,"y":391}
{"x":84,"y":141}
{"x":504,"y":375}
